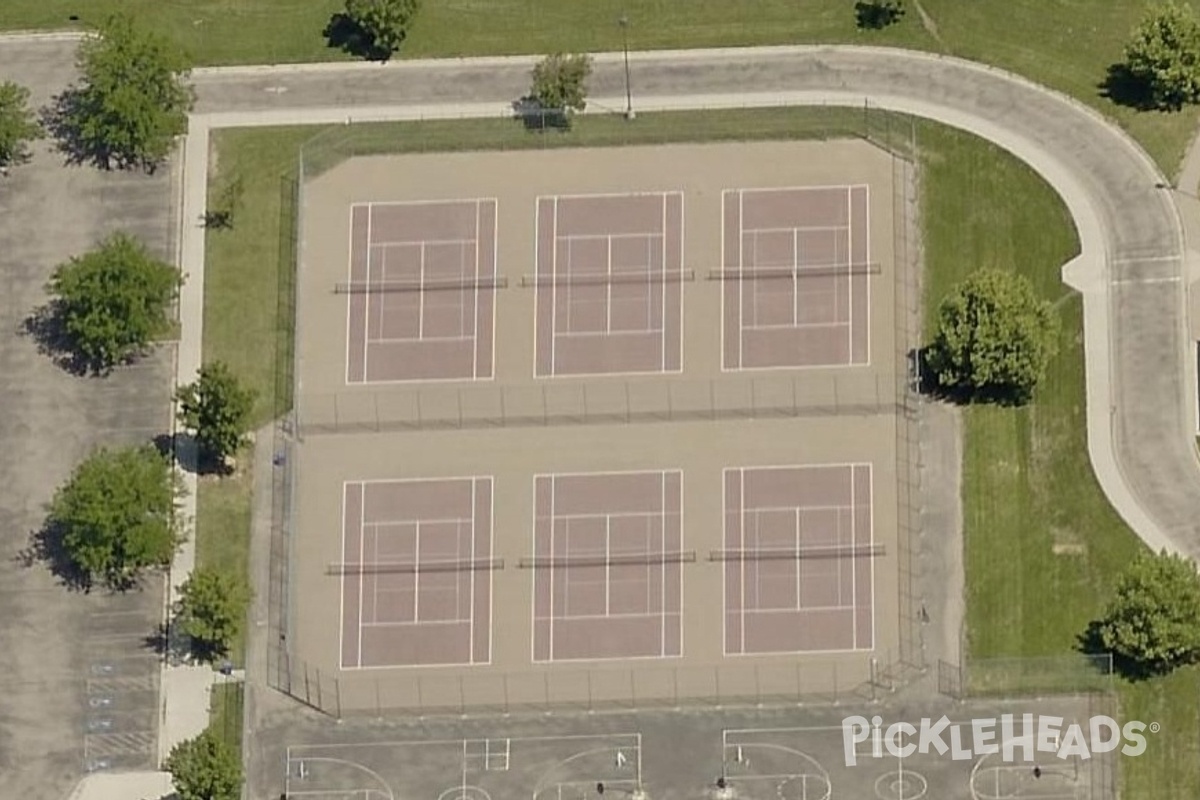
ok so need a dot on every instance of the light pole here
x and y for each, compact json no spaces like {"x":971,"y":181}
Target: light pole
{"x":624,"y":23}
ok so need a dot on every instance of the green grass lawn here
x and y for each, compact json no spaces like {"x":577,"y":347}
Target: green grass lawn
{"x":1043,"y":546}
{"x":1066,"y":44}
{"x":225,"y":713}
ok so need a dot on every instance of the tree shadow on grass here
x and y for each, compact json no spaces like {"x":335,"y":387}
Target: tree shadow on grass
{"x":46,"y":547}
{"x":996,"y":394}
{"x":343,"y":33}
{"x":1126,"y":89}
{"x":1091,"y":643}
{"x":538,"y":119}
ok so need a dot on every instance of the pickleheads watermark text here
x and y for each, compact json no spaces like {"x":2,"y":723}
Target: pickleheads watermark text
{"x":1014,"y":738}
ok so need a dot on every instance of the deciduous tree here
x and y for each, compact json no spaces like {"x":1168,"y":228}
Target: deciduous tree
{"x":1153,"y":619}
{"x":383,"y":22}
{"x":211,"y":610}
{"x":216,"y":407}
{"x":115,"y":516}
{"x":132,"y":100}
{"x":114,"y":301}
{"x":205,"y":768}
{"x":17,"y":124}
{"x":877,"y":14}
{"x":1164,"y":55}
{"x":994,"y":338}
{"x":560,"y":83}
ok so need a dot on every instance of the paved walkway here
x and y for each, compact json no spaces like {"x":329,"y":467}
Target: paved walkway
{"x":1131,"y":271}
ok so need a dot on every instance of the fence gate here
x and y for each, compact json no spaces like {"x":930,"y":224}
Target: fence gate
{"x":950,"y":679}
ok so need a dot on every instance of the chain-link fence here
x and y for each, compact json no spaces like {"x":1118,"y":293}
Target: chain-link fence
{"x":532,"y":131}
{"x":664,"y":400}
{"x":581,"y":689}
{"x":1072,"y":673}
{"x":619,"y":402}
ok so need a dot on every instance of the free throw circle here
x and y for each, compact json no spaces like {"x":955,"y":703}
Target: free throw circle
{"x":901,"y":785}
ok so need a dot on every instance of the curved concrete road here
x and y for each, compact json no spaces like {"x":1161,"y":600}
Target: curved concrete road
{"x":1131,"y":270}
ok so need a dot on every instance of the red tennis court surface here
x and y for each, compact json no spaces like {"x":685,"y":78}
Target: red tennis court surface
{"x":416,"y":573}
{"x":796,"y":265}
{"x":798,"y":553}
{"x":606,"y":560}
{"x":608,"y":277}
{"x":421,"y":291}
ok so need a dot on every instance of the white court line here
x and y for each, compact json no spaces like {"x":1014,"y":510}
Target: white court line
{"x":350,"y":298}
{"x":794,"y":326}
{"x":608,"y":301}
{"x":608,"y":334}
{"x":795,"y":228}
{"x":871,"y":542}
{"x":867,"y":204}
{"x":801,"y":610}
{"x":742,"y":541}
{"x":425,"y":623}
{"x":367,"y":306}
{"x":662,"y":270}
{"x":818,"y":507}
{"x":342,"y":581}
{"x":471,"y":555}
{"x":491,"y":551}
{"x":853,"y":565}
{"x":418,"y":520}
{"x":418,"y":339}
{"x":475,"y":319}
{"x":795,"y":276}
{"x":662,"y":548}
{"x":724,"y":293}
{"x":362,"y":518}
{"x":741,"y":312}
{"x":493,"y":267}
{"x":428,"y":242}
{"x":850,"y":274}
{"x":570,"y":237}
{"x":554,"y":316}
{"x":553,"y":559}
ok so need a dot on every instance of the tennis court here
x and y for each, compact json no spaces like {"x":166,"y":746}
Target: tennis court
{"x":421,"y":291}
{"x":607,"y":566}
{"x":416,"y":573}
{"x":796,"y":263}
{"x":609,"y":284}
{"x":798,"y":559}
{"x":544,"y":331}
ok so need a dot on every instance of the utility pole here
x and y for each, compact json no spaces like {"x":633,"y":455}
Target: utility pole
{"x":624,"y":23}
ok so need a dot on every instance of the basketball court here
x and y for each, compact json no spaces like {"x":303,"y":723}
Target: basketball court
{"x":798,"y":559}
{"x":421,"y":291}
{"x":796,"y":267}
{"x":564,"y":767}
{"x":607,"y":566}
{"x":416,"y":576}
{"x":609,"y":284}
